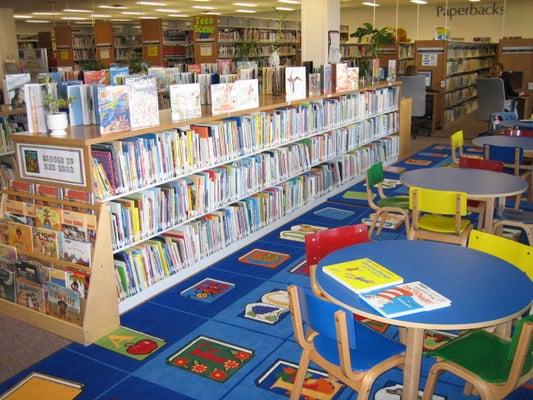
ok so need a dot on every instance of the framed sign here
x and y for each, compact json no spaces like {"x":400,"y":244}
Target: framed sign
{"x":54,"y":164}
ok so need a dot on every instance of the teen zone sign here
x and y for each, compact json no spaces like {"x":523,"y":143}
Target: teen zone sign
{"x":470,"y":10}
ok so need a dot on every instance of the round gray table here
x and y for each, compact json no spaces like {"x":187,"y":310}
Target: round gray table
{"x":509,"y":141}
{"x":478,"y":184}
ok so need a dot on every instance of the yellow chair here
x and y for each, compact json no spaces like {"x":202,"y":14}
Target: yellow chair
{"x":457,"y":142}
{"x":518,"y":254}
{"x":437,"y":216}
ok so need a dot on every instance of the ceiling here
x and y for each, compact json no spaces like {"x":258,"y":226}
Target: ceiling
{"x":26,"y":10}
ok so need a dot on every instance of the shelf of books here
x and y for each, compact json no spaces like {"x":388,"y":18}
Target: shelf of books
{"x":178,"y":42}
{"x":27,"y":40}
{"x":127,"y":41}
{"x":454,"y":68}
{"x":171,"y":199}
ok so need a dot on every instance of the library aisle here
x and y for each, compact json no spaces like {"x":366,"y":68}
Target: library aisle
{"x":234,"y":316}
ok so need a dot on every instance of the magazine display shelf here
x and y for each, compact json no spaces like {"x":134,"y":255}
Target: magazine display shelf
{"x":102,"y":308}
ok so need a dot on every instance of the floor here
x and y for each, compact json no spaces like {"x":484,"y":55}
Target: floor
{"x":178,"y":320}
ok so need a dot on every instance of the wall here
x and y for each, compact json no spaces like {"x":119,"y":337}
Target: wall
{"x":8,"y":44}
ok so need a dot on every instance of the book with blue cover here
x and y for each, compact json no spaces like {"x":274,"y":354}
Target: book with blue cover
{"x":75,"y":109}
{"x":117,"y":75}
{"x":113,"y":109}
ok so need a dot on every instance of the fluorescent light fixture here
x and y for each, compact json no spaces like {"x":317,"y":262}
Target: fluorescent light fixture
{"x":121,"y":20}
{"x":421,"y":1}
{"x":178,"y":15}
{"x":74,"y":18}
{"x":101,"y":15}
{"x":246,"y":11}
{"x":212,"y":13}
{"x":245,"y":4}
{"x":284,"y":8}
{"x":75,"y":10}
{"x":167,"y":10}
{"x":289,"y":1}
{"x":147,"y":17}
{"x":114,"y":7}
{"x":204,"y":7}
{"x":46,"y":13}
{"x":21,"y":16}
{"x":131,"y":13}
{"x":151,"y":3}
{"x":201,"y":1}
{"x":475,"y":1}
{"x":369,"y":4}
{"x":83,"y":22}
{"x":37,"y":21}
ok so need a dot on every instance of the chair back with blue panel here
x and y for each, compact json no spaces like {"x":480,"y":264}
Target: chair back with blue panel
{"x":437,"y":215}
{"x":512,"y":157}
{"x":415,"y":88}
{"x":491,"y":97}
{"x":330,"y":337}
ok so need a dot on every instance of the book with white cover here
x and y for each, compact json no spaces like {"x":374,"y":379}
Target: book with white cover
{"x":185,"y":101}
{"x":14,"y":89}
{"x":295,"y":88}
{"x":240,"y":95}
{"x":87,"y":104}
{"x":34,"y":94}
{"x":142,"y":99}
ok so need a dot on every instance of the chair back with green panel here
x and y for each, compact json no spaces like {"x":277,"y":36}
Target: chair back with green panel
{"x":385,"y":204}
{"x":493,"y":365}
{"x":328,"y":335}
{"x":437,"y":215}
{"x":518,"y":254}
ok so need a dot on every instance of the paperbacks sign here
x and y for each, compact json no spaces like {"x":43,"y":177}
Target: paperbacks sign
{"x":470,"y":10}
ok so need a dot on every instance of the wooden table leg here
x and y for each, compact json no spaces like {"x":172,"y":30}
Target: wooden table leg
{"x":489,"y":215}
{"x":413,"y":362}
{"x":504,"y":330}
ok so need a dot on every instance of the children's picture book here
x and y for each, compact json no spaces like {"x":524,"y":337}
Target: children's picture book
{"x":76,"y":252}
{"x":75,"y":108}
{"x":30,"y":294}
{"x":7,"y":281}
{"x":26,"y":270}
{"x":375,"y":70}
{"x":240,"y":95}
{"x":34,"y":95}
{"x":405,"y":299}
{"x":77,"y":281}
{"x":46,"y":242}
{"x":19,"y":236}
{"x":48,"y":217}
{"x":113,"y":109}
{"x":143,"y":102}
{"x":37,"y":385}
{"x":161,"y":77}
{"x":185,"y":101}
{"x":63,"y":303}
{"x":74,"y":225}
{"x":353,"y":78}
{"x":95,"y":77}
{"x":341,"y":77}
{"x":14,"y":89}
{"x":295,"y":81}
{"x":7,"y":253}
{"x":117,"y":75}
{"x":362,"y":275}
{"x":415,"y":161}
{"x":391,"y":71}
{"x":87,"y":104}
{"x":298,"y":232}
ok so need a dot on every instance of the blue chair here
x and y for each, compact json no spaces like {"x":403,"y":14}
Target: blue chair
{"x":351,"y":352}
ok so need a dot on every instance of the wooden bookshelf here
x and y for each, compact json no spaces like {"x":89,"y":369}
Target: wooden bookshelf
{"x":127,"y":41}
{"x":104,"y":42}
{"x":27,"y":40}
{"x":178,"y":42}
{"x":63,"y":35}
{"x":152,"y":41}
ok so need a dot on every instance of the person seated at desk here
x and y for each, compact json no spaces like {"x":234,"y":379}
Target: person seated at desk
{"x":497,"y":71}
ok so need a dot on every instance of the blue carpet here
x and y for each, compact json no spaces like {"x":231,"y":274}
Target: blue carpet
{"x":183,"y":313}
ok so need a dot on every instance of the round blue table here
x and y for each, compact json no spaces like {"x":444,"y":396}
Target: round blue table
{"x":478,"y":184}
{"x":510,"y":141}
{"x":484,"y":290}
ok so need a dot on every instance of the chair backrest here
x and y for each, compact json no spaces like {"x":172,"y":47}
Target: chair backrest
{"x":520,"y":351}
{"x":374,"y":175}
{"x":512,"y":156}
{"x":491,"y":97}
{"x":415,"y":87}
{"x":477,"y":163}
{"x":437,"y":201}
{"x":456,"y":143}
{"x":518,"y":254}
{"x":320,"y":244}
{"x":317,"y":314}
{"x":517,"y":132}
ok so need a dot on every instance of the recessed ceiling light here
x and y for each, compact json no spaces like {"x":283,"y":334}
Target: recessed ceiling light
{"x":168,"y":10}
{"x":204,"y":7}
{"x":46,"y":13}
{"x":131,"y":13}
{"x":151,"y":3}
{"x":22,"y":16}
{"x":37,"y":21}
{"x":114,"y":7}
{"x":178,"y":15}
{"x":284,"y":8}
{"x":422,"y":1}
{"x":74,"y":18}
{"x":245,"y":4}
{"x":369,"y":4}
{"x":289,"y":1}
{"x":75,"y":10}
{"x":246,"y":11}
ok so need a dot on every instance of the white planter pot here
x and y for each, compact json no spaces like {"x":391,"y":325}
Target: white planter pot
{"x":57,"y":123}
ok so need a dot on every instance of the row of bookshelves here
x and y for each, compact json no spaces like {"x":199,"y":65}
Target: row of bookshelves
{"x":258,"y":35}
{"x":458,"y":96}
{"x":460,"y":81}
{"x":470,"y":65}
{"x":453,"y":114}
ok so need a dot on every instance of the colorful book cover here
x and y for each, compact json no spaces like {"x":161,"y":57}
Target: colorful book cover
{"x":27,"y":270}
{"x":77,"y":281}
{"x":295,"y":82}
{"x":7,"y":253}
{"x":414,"y":161}
{"x":74,"y":225}
{"x":19,"y":236}
{"x":353,"y":78}
{"x":240,"y":95}
{"x":14,"y":89}
{"x":41,"y":386}
{"x":264,"y":258}
{"x":160,"y":75}
{"x":362,"y":275}
{"x":405,"y":299}
{"x":341,"y":77}
{"x":113,"y":109}
{"x":63,"y":303}
{"x":131,"y":343}
{"x":185,"y":101}
{"x":7,"y":282}
{"x":16,"y":211}
{"x":76,"y":252}
{"x":45,"y":242}
{"x":95,"y":77}
{"x":143,"y":101}
{"x":30,"y":294}
{"x":47,"y":217}
{"x":117,"y":75}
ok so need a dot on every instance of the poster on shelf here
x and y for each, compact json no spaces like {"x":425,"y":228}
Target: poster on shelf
{"x":429,"y":59}
{"x":58,"y":164}
{"x":240,"y":95}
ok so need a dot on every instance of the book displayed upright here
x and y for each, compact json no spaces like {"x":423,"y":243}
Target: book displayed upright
{"x":185,"y":101}
{"x":295,"y":83}
{"x":113,"y":109}
{"x":142,"y":100}
{"x":362,"y":275}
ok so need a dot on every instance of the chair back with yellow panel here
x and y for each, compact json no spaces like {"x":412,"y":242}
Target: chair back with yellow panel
{"x":456,"y":143}
{"x":518,"y":254}
{"x":437,"y":215}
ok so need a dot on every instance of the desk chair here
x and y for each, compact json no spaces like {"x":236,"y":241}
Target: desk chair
{"x":476,"y":206}
{"x":385,"y":205}
{"x":350,"y":352}
{"x":493,"y":365}
{"x":490,"y":97}
{"x":415,"y":87}
{"x":437,"y":216}
{"x":318,"y":245}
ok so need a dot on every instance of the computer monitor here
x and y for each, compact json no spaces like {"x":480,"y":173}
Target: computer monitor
{"x":427,"y":75}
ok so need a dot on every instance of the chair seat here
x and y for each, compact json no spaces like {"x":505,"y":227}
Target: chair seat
{"x":440,"y":223}
{"x":394,"y":201}
{"x":373,"y":348}
{"x":512,"y":214}
{"x":482,"y":353}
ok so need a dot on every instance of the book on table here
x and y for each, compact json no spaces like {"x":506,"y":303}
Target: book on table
{"x":405,"y":299}
{"x":362,"y":275}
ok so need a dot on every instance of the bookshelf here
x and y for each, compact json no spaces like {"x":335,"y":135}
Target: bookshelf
{"x":178,"y":42}
{"x":303,"y":177}
{"x":27,"y":40}
{"x":127,"y":41}
{"x":454,"y":68}
{"x":83,"y":44}
{"x":11,"y":120}
{"x":152,"y":41}
{"x":104,"y":42}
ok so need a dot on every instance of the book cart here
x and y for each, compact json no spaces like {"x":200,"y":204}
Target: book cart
{"x":101,"y":309}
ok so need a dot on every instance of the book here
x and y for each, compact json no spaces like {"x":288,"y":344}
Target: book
{"x":362,"y":275}
{"x":142,"y":100}
{"x":95,"y":77}
{"x":295,"y":82}
{"x":7,"y":253}
{"x":45,"y":242}
{"x":47,"y":217}
{"x":117,"y":75}
{"x":113,"y":109}
{"x":76,"y":252}
{"x":405,"y":299}
{"x":78,"y":281}
{"x":7,"y":281}
{"x":87,"y":104}
{"x":327,"y":83}
{"x":185,"y":101}
{"x":34,"y":95}
{"x":75,"y":108}
{"x":30,"y":294}
{"x":74,"y":225}
{"x":14,"y":89}
{"x":240,"y":95}
{"x":63,"y":303}
{"x":340,"y":77}
{"x":41,"y":386}
{"x":19,"y":236}
{"x":353,"y":78}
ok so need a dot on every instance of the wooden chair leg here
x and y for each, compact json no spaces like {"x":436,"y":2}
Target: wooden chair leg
{"x":431,"y":382}
{"x":373,"y":225}
{"x":382,"y":223}
{"x":300,"y":375}
{"x":468,"y":389}
{"x":529,"y":234}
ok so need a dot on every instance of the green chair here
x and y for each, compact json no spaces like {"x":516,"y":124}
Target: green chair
{"x":494,"y":366}
{"x":385,"y":205}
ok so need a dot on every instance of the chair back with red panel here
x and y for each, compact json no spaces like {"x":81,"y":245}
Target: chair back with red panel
{"x":518,"y":132}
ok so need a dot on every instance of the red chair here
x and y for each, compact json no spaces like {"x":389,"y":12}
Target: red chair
{"x":518,"y":132}
{"x":479,"y":207}
{"x":320,"y":244}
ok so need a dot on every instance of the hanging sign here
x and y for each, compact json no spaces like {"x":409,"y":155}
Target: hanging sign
{"x":429,"y":59}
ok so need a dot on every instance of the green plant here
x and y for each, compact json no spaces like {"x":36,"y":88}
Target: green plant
{"x":280,"y":17}
{"x":53,"y":104}
{"x":137,"y":65}
{"x":244,"y":50}
{"x":375,"y":38}
{"x":90,"y":65}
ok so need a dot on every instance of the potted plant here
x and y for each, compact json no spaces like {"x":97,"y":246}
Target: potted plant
{"x":375,"y":38}
{"x":57,"y":121}
{"x":274,"y":57}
